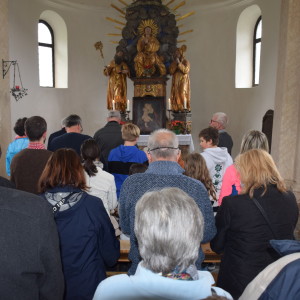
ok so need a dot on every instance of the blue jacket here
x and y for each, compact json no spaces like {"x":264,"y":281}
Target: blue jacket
{"x":145,"y":284}
{"x":119,"y":161}
{"x":161,"y":174}
{"x":88,"y":244}
{"x":279,"y":280}
{"x":13,"y":148}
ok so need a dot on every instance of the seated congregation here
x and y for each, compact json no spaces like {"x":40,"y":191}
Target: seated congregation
{"x":65,"y":209}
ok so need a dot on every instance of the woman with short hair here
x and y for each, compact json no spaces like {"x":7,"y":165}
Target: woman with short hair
{"x":87,"y":238}
{"x":169,"y":229}
{"x":245,"y":223}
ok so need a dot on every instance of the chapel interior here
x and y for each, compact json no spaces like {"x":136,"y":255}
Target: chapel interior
{"x":221,"y":78}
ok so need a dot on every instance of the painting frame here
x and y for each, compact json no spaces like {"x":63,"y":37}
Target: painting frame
{"x":149,"y":113}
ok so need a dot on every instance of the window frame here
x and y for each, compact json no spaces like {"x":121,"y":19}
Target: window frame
{"x":49,"y":46}
{"x":255,"y":42}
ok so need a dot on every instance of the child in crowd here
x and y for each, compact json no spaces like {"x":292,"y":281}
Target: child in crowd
{"x":121,"y":158}
{"x":20,"y":142}
{"x":195,"y":167}
{"x":137,"y":168}
{"x":217,"y":158}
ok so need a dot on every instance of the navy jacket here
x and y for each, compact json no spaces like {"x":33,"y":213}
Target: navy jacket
{"x":88,"y":244}
{"x":71,"y":140}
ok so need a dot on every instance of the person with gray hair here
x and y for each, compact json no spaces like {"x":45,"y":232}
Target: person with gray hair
{"x":57,"y":133}
{"x":219,"y":121}
{"x":231,"y":184}
{"x":109,"y":137}
{"x":163,"y":171}
{"x":73,"y":138}
{"x":169,"y":249}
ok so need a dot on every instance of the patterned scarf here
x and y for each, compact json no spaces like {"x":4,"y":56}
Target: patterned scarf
{"x":189,"y":274}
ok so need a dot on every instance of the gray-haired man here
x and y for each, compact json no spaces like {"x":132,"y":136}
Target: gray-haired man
{"x":219,"y":121}
{"x":164,"y":171}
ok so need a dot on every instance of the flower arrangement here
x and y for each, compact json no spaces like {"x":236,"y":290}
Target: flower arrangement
{"x":178,"y":126}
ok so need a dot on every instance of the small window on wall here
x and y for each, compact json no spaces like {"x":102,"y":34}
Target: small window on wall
{"x":46,"y":54}
{"x":257,"y":50}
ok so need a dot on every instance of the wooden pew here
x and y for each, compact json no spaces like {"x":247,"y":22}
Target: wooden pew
{"x":210,"y":256}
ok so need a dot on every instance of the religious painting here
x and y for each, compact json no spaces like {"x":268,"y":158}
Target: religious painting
{"x":149,"y":113}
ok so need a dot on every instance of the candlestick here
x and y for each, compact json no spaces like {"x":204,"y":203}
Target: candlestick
{"x":113,"y":104}
{"x":185,"y":104}
{"x":128,"y":104}
{"x":169,"y":104}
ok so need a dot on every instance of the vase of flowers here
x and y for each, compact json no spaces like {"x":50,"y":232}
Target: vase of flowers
{"x":178,"y":127}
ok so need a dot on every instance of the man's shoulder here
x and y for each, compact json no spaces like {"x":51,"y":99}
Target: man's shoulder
{"x":224,"y":135}
{"x":32,"y":153}
{"x":6,"y":183}
{"x":83,"y":137}
{"x":22,"y":202}
{"x":145,"y":179}
{"x":58,"y":139}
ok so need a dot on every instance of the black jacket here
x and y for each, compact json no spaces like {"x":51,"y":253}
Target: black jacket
{"x":243,"y":235}
{"x":108,"y":138}
{"x":225,"y":140}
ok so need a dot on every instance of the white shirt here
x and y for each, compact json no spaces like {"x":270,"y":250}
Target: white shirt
{"x":103,"y":186}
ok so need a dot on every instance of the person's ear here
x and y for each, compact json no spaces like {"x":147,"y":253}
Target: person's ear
{"x":44,"y":136}
{"x":178,"y":155}
{"x":149,"y":156}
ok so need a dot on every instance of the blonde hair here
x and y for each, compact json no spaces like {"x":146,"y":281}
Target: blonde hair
{"x":257,"y":169}
{"x":130,"y":132}
{"x":195,"y":167}
{"x":254,"y":139}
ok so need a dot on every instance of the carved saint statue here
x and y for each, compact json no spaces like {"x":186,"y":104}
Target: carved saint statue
{"x":180,"y":91}
{"x":117,"y":71}
{"x":147,"y":60}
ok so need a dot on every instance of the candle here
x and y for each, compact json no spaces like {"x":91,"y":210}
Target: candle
{"x":169,"y":104}
{"x":113,"y":103}
{"x":128,"y":105}
{"x":184,"y":104}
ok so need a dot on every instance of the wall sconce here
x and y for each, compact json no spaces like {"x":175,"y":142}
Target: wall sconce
{"x":18,"y":91}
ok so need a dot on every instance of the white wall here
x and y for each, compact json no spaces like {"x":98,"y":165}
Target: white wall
{"x":211,"y":51}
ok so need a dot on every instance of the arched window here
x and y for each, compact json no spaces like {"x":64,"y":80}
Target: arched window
{"x":244,"y":67}
{"x":257,"y":50}
{"x":46,"y":54}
